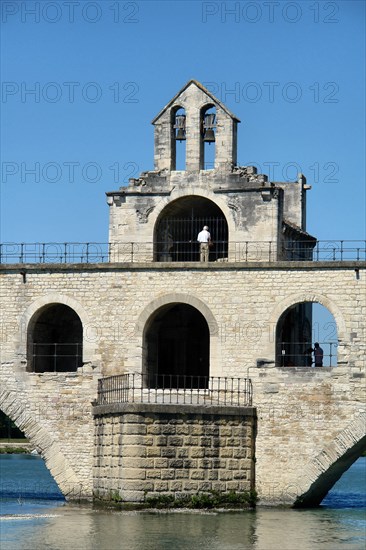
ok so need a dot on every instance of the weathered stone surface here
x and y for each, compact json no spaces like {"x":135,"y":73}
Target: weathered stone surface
{"x":179,"y":460}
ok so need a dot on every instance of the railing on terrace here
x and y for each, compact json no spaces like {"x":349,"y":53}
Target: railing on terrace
{"x":183,"y":251}
{"x":175,"y":389}
{"x":301,"y":354}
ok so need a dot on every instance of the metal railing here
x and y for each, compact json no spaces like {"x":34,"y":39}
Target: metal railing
{"x":181,"y":251}
{"x":175,"y":389}
{"x":56,"y":357}
{"x":301,"y":354}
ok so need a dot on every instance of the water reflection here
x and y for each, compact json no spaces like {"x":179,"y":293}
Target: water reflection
{"x":64,"y":526}
{"x":265,"y":529}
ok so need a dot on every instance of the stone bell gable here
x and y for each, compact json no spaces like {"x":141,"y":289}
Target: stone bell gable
{"x":237,"y":204}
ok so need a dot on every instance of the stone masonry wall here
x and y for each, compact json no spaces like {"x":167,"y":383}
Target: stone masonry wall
{"x":149,"y":450}
{"x":241,"y":303}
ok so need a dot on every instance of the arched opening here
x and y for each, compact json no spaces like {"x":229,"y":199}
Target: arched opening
{"x":178,"y":138}
{"x":179,"y":224}
{"x":9,"y":430}
{"x":306,"y":336}
{"x":177,"y":347}
{"x":55,"y":337}
{"x":208,"y":137}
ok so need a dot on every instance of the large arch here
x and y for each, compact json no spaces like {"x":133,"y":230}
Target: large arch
{"x":14,"y":405}
{"x":180,"y":298}
{"x":319,"y":476}
{"x":177,"y":227}
{"x":177,"y":344}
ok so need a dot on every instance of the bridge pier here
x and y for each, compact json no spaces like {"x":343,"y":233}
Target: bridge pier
{"x":148,"y":450}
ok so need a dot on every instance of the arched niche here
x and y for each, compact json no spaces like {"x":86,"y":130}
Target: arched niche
{"x":178,"y":225}
{"x":176,"y":343}
{"x":54,"y":340}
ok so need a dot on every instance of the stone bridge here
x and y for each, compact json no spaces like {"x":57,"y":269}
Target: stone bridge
{"x":310,"y":421}
{"x":310,"y":426}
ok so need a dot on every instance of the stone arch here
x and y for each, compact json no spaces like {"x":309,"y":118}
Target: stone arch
{"x":28,"y":317}
{"x":324,"y":470}
{"x":14,"y":405}
{"x":179,"y":222}
{"x":199,"y":305}
{"x":304,"y":298}
{"x":198,"y":191}
{"x":293,"y":299}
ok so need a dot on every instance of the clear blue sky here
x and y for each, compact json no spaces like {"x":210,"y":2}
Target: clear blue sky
{"x":293,"y":72}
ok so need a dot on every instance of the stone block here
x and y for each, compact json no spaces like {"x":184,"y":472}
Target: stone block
{"x":225,"y":475}
{"x":240,"y":474}
{"x":153,"y":474}
{"x":153,"y":451}
{"x":232,"y":464}
{"x":134,"y":450}
{"x":197,"y":474}
{"x":133,"y":473}
{"x":160,"y":440}
{"x":175,"y":441}
{"x":154,"y":429}
{"x":169,"y":452}
{"x":183,"y":453}
{"x":190,"y":486}
{"x":197,"y":452}
{"x":161,"y":486}
{"x":167,"y":474}
{"x":176,"y":463}
{"x":238,"y":452}
{"x":168,"y":429}
{"x":233,"y":486}
{"x":161,"y":463}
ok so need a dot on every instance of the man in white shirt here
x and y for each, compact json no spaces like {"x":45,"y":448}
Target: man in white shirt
{"x":204,"y":238}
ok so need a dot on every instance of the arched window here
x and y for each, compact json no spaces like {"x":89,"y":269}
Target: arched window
{"x":178,"y":138}
{"x":55,"y":337}
{"x":177,"y":347}
{"x":179,"y":224}
{"x":208,"y":137}
{"x":306,"y":336}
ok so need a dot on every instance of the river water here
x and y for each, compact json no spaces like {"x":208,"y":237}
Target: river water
{"x":33,"y":516}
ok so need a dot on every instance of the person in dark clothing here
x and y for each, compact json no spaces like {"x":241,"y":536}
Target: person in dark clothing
{"x":318,"y":355}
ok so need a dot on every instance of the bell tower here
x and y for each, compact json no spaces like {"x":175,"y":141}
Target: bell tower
{"x":195,"y":116}
{"x":158,"y":215}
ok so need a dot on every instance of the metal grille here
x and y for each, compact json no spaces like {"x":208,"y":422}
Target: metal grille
{"x":300,"y":354}
{"x":177,"y":239}
{"x":56,"y":357}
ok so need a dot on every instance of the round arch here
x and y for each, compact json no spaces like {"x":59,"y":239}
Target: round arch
{"x":324,"y":470}
{"x":168,"y":301}
{"x":298,"y":305}
{"x":55,"y":339}
{"x":193,"y":191}
{"x":178,"y":224}
{"x":29,"y":316}
{"x":293,"y":299}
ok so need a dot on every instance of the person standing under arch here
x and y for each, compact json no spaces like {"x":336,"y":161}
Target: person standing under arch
{"x":318,"y":355}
